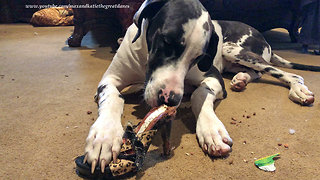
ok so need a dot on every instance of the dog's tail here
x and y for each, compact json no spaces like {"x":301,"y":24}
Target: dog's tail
{"x":279,"y":61}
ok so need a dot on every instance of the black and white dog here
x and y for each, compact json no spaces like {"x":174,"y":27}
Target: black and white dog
{"x":174,"y":43}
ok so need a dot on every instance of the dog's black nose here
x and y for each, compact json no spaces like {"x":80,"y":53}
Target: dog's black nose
{"x":171,"y":99}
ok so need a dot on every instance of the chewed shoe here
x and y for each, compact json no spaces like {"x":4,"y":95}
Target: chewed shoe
{"x":136,"y":142}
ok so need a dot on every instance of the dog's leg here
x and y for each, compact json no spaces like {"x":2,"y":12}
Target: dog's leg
{"x":243,"y":77}
{"x":105,"y":136}
{"x":298,"y":91}
{"x":212,"y":135}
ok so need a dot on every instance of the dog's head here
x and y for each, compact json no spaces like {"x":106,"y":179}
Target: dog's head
{"x":179,"y":35}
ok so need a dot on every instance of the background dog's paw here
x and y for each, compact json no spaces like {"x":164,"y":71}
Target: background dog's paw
{"x":300,"y":93}
{"x":103,"y":143}
{"x":214,"y":138}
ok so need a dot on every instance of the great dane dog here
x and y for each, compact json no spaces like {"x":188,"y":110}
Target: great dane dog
{"x":172,"y":44}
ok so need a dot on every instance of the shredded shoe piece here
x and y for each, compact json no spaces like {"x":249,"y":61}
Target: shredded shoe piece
{"x":136,"y":142}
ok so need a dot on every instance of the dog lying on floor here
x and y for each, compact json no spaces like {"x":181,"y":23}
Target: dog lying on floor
{"x":174,"y":44}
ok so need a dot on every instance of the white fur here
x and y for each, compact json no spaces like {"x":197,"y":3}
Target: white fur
{"x":218,"y":62}
{"x":266,"y":55}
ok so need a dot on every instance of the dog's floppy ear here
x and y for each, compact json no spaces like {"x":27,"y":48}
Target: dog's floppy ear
{"x":147,"y":10}
{"x":205,"y":61}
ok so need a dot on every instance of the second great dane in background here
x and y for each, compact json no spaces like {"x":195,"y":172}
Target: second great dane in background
{"x":174,"y":44}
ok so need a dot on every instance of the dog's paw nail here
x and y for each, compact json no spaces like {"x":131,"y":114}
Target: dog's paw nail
{"x":227,"y":141}
{"x":103,"y":165}
{"x":93,"y":166}
{"x":225,"y":151}
{"x":218,"y":150}
{"x":85,"y":158}
{"x":309,"y":101}
{"x":205,"y":148}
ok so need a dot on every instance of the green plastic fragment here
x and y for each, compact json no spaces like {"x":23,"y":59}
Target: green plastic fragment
{"x":267,"y":163}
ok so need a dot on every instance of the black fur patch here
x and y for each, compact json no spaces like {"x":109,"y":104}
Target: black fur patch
{"x":277,"y":75}
{"x":255,"y":45}
{"x":121,"y":96}
{"x":249,"y":56}
{"x":305,"y":67}
{"x":209,"y":89}
{"x":268,"y":69}
{"x":101,"y":88}
{"x":206,"y":26}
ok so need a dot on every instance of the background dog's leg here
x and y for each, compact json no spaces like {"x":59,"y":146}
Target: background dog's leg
{"x":212,"y":135}
{"x":298,"y":91}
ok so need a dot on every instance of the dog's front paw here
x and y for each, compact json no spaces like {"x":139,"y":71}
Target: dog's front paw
{"x":103,"y":143}
{"x":300,"y":93}
{"x":213,"y":137}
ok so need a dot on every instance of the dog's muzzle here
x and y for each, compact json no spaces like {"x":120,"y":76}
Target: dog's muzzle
{"x":169,"y":98}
